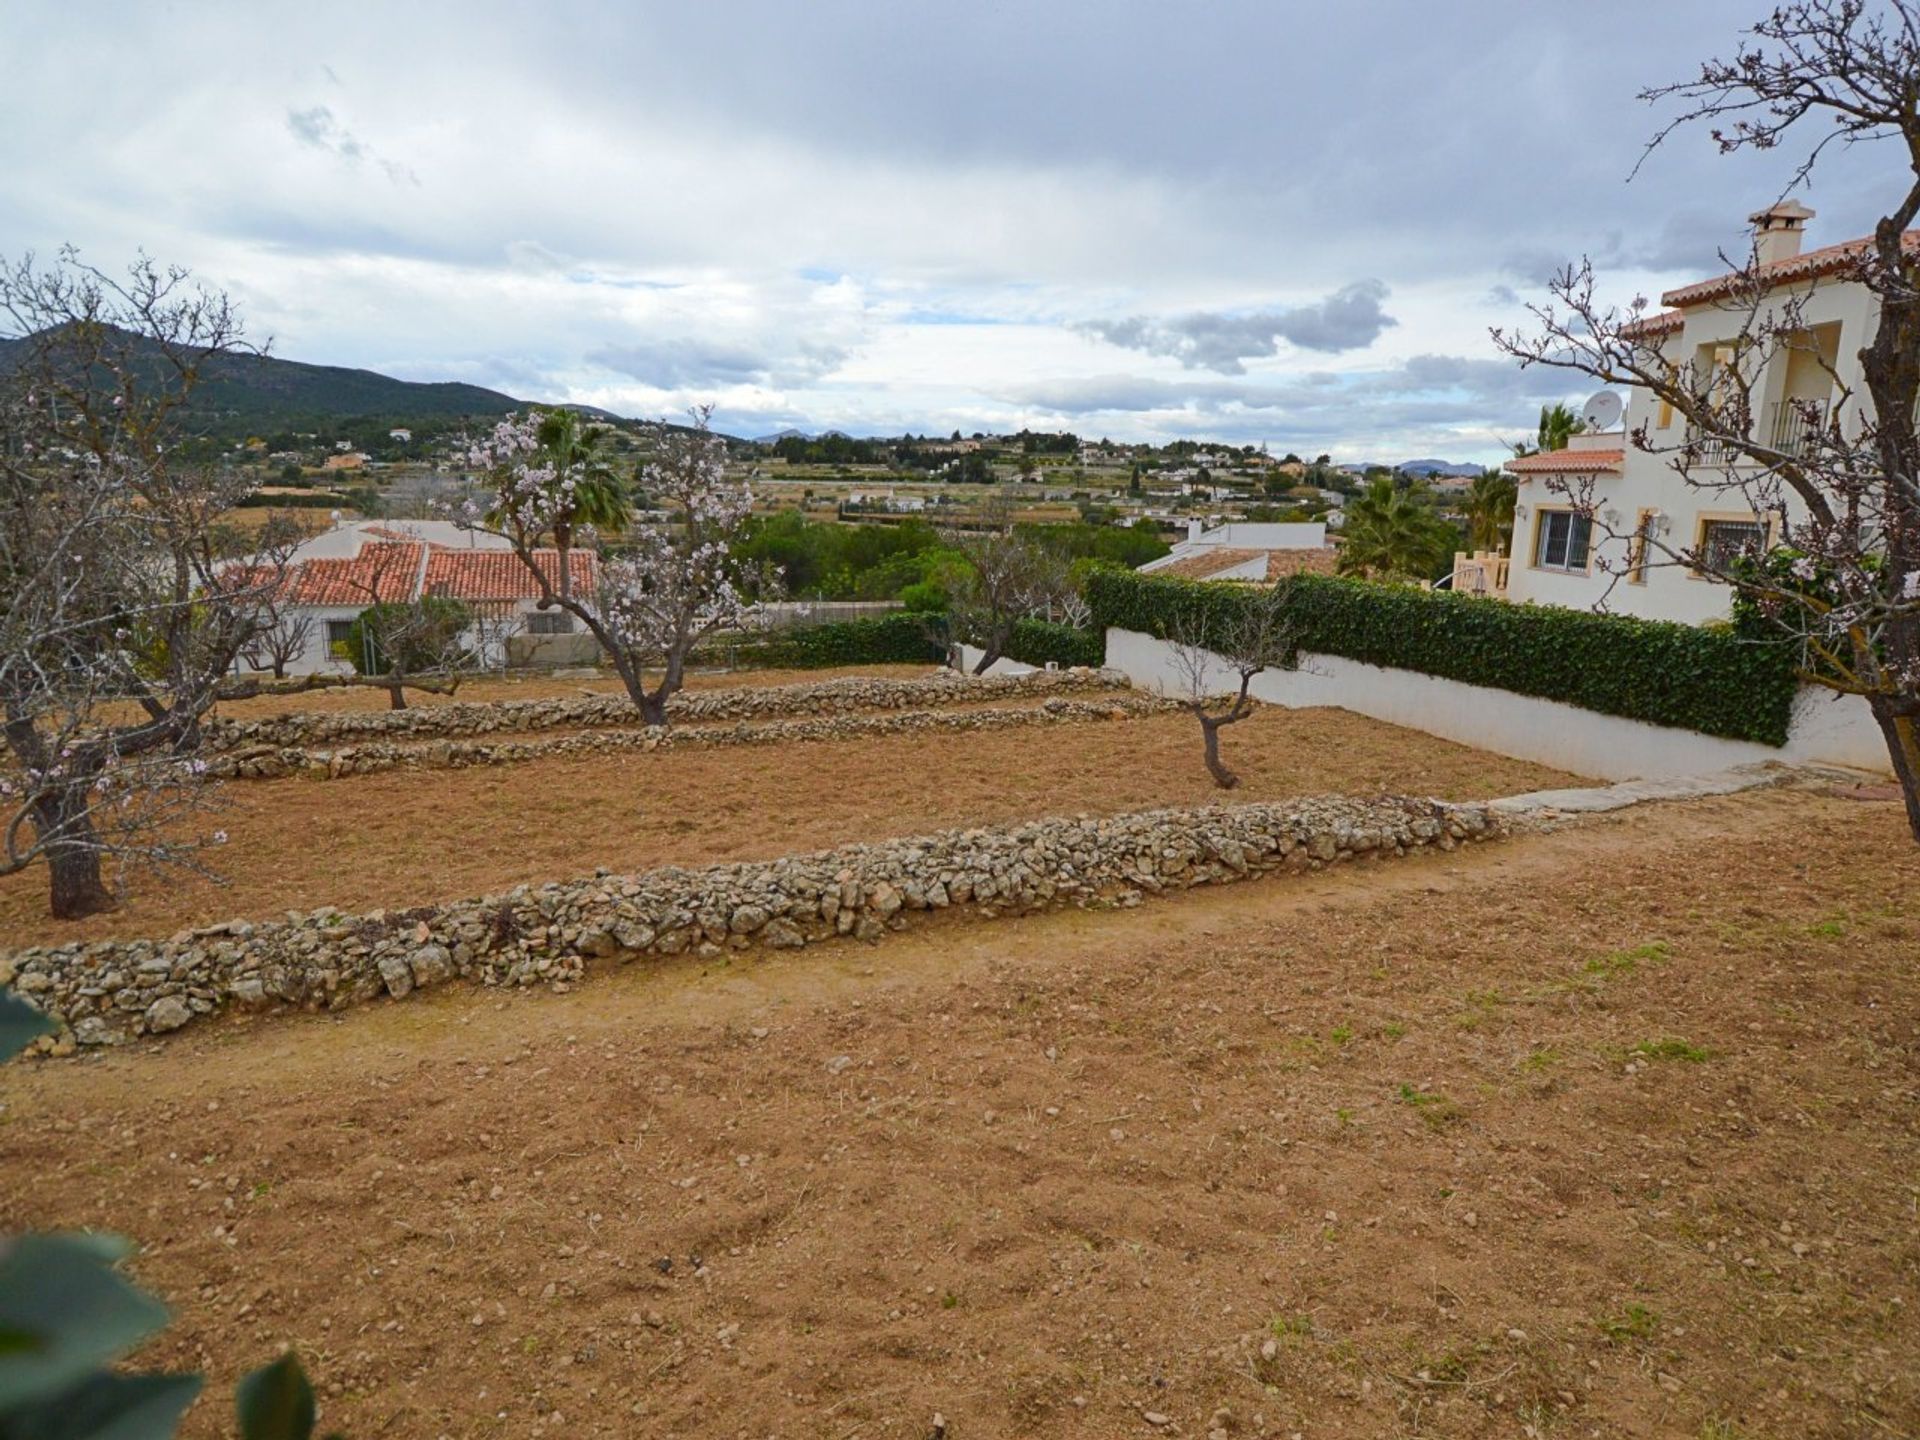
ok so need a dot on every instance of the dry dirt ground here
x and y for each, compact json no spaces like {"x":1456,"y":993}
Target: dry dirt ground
{"x":410,"y":837}
{"x":542,"y":687}
{"x":1609,"y":1132}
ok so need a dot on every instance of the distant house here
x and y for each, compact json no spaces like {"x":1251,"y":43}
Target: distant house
{"x":353,"y":461}
{"x":400,"y":434}
{"x":331,"y":578}
{"x":1247,"y":551}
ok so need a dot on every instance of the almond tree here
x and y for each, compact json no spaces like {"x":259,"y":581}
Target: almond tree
{"x":1225,"y":631}
{"x":1839,"y":486}
{"x":671,"y":583}
{"x":119,"y":612}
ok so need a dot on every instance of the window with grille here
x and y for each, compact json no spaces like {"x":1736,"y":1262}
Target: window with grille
{"x":1563,"y":541}
{"x":549,"y":622}
{"x":1724,"y":541}
{"x":339,"y":636}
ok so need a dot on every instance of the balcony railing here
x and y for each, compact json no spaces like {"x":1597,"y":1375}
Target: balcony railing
{"x":1484,"y":572}
{"x":1796,"y":425}
{"x":1793,"y":427}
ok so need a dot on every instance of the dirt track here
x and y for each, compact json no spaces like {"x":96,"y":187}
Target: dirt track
{"x":1605,"y":1132}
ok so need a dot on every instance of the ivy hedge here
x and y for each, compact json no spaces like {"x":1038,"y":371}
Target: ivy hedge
{"x":1040,"y":642}
{"x":1715,"y":681}
{"x":904,"y":638}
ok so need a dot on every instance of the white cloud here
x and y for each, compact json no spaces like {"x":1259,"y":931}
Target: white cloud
{"x":798,"y":211}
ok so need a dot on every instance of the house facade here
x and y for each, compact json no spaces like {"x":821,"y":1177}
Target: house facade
{"x":331,"y":578}
{"x":1639,"y":499}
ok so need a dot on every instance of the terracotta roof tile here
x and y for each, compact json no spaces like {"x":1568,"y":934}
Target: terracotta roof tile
{"x":498,"y":575}
{"x":1319,"y":560}
{"x":380,"y":572}
{"x":1555,"y":462}
{"x":1814,"y":263}
{"x":1209,"y":560}
{"x":1662,"y":323}
{"x":1213,"y":560}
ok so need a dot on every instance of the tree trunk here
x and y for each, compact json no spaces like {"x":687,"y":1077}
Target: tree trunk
{"x":1210,"y":728}
{"x":74,"y":887}
{"x":563,"y":544}
{"x":396,"y":695}
{"x":1902,"y":730}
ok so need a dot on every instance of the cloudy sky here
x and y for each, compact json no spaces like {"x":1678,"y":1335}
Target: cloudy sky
{"x":1279,"y":221}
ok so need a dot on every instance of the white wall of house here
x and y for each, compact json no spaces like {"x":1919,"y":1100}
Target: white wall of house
{"x":316,"y":658}
{"x":1837,"y":317}
{"x":1603,"y":747}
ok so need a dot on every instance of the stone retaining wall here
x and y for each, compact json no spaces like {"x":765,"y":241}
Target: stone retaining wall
{"x":113,"y":990}
{"x":846,"y":695}
{"x":263,"y":762}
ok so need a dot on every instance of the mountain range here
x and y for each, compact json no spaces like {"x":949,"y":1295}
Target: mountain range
{"x":243,"y":394}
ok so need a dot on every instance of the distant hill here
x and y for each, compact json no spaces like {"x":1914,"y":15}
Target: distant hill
{"x":245,"y":394}
{"x":1438,"y":467}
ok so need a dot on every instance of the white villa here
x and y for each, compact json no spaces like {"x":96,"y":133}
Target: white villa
{"x":334,"y":576}
{"x":1637,"y":495}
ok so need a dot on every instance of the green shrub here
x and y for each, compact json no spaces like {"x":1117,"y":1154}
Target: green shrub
{"x":904,"y":638}
{"x":925,"y":597}
{"x":1717,"y":682}
{"x":427,"y":633}
{"x":1040,"y":642}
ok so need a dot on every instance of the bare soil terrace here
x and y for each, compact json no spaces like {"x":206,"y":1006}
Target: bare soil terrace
{"x":410,"y":837}
{"x":540,"y":687}
{"x":1613,"y":1131}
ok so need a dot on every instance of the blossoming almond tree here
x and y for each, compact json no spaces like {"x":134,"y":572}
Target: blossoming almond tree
{"x":669,"y":585}
{"x":1836,"y":483}
{"x":119,"y":611}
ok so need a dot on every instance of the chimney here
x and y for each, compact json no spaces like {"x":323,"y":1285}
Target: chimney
{"x":1777,"y":231}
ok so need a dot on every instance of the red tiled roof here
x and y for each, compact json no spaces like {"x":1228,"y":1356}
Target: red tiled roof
{"x":1813,"y":264}
{"x":1280,"y":563}
{"x":1658,"y":324}
{"x":1313,"y":561}
{"x":1555,"y":462}
{"x":383,"y":571}
{"x":499,"y":575}
{"x":1211,"y":560}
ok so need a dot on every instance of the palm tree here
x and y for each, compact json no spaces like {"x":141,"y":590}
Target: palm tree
{"x":578,"y":454}
{"x":1393,"y":532}
{"x":1489,"y":509}
{"x":1558,"y":425}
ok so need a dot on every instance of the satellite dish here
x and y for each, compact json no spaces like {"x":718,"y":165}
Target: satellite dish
{"x":1602,"y":410}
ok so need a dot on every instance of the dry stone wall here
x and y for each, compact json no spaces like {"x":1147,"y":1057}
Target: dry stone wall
{"x":266,"y":762}
{"x":844,"y":696}
{"x":110,"y":991}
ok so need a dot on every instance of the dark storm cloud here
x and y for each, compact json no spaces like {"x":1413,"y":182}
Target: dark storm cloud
{"x":674,"y":364}
{"x":1349,"y":319}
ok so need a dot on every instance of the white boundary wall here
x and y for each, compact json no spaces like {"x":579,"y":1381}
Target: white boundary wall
{"x":1607,"y":747}
{"x":970,"y":657}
